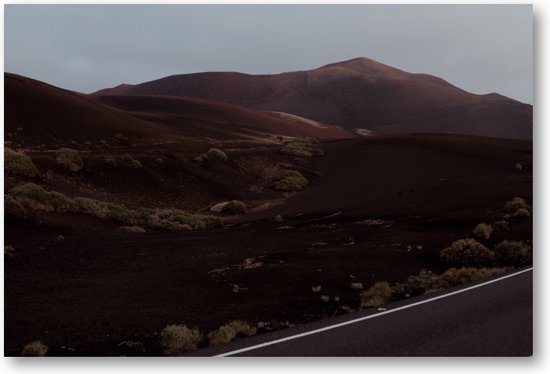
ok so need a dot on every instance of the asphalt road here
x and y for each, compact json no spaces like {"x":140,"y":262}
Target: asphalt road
{"x":484,"y":319}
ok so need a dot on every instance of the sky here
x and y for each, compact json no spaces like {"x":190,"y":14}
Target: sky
{"x":479,"y":48}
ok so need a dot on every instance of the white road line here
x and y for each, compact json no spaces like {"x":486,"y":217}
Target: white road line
{"x":297,"y":336}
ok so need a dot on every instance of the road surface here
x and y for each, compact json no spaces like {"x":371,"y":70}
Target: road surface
{"x":489,"y":318}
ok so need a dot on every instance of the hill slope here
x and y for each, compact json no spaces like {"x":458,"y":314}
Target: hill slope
{"x":359,"y":93}
{"x":39,"y":115}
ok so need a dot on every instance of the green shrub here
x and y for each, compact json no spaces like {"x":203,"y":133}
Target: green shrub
{"x":179,"y":220}
{"x":106,"y":211}
{"x":36,"y":197}
{"x":18,"y":163}
{"x":483,"y":231}
{"x":218,"y":153}
{"x":70,"y":159}
{"x":467,"y":252}
{"x":234,"y":207}
{"x":513,"y":253}
{"x":230,"y":331}
{"x":35,"y":349}
{"x":302,"y":148}
{"x":290,"y":180}
{"x":501,"y":225}
{"x":378,"y":294}
{"x":178,"y":339}
{"x":13,"y":208}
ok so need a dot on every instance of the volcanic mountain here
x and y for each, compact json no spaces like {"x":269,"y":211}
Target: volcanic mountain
{"x":358,"y":93}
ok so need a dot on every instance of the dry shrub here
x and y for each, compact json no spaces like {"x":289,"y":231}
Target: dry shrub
{"x":230,"y":331}
{"x":178,"y":339}
{"x":501,"y":225}
{"x":455,"y":277}
{"x":290,"y":180}
{"x":35,"y":349}
{"x":18,"y":163}
{"x":234,"y":207}
{"x":483,"y":231}
{"x":517,"y":207}
{"x":8,"y":250}
{"x":467,"y":252}
{"x":201,"y":159}
{"x":130,"y":161}
{"x":415,"y":284}
{"x":377,"y":294}
{"x":70,"y":159}
{"x":13,"y":208}
{"x":218,"y":153}
{"x":513,"y":253}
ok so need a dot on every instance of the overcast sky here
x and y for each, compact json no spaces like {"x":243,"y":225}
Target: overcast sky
{"x":480,"y":48}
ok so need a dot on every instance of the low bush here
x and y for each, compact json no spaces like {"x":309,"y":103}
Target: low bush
{"x":201,"y":159}
{"x":501,"y":226}
{"x":130,"y":161}
{"x":483,"y":231}
{"x":18,"y":163}
{"x":415,"y":284}
{"x":121,"y":138}
{"x":517,"y":207}
{"x":179,"y":220}
{"x":70,"y":159}
{"x":111,"y":161}
{"x":377,"y":294}
{"x":455,"y":277}
{"x":106,"y":211}
{"x":234,"y":207}
{"x":35,"y":197}
{"x":513,"y":253}
{"x":13,"y":208}
{"x":35,"y":349}
{"x":8,"y":250}
{"x":218,"y":153}
{"x":32,"y":196}
{"x":467,"y":252}
{"x":290,"y":180}
{"x":230,"y":331}
{"x":302,"y":148}
{"x":178,"y":339}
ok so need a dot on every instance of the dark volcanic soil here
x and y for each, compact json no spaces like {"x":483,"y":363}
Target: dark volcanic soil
{"x":376,"y":209}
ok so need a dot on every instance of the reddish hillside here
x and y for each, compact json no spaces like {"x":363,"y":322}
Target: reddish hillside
{"x":195,"y":116}
{"x":359,"y":93}
{"x":37,"y":113}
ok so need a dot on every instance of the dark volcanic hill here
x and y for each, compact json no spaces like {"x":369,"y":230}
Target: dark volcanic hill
{"x":359,"y":93}
{"x":38,"y":114}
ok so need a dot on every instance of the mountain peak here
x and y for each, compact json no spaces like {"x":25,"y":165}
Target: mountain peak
{"x":367,"y":66}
